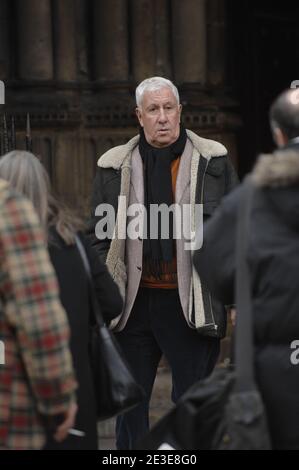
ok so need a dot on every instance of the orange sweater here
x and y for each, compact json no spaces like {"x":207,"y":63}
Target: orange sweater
{"x":168,"y":278}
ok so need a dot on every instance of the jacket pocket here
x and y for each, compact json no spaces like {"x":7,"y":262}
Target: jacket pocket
{"x":214,"y":184}
{"x":215,"y":167}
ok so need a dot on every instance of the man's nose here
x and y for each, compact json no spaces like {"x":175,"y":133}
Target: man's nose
{"x":162,"y":115}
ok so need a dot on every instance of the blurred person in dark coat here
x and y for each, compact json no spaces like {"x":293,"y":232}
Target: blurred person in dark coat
{"x":273,"y":257}
{"x":26,"y":174}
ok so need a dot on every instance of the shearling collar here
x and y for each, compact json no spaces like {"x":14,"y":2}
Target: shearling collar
{"x":278,"y":169}
{"x":115,"y":157}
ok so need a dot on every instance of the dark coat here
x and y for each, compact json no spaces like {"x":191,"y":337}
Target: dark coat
{"x":273,"y":258}
{"x":74,"y":296}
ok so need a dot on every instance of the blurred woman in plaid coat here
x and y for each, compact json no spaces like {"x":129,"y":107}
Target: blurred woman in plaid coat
{"x":36,"y":378}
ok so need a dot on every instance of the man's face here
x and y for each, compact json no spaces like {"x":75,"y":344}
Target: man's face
{"x":159,"y":115}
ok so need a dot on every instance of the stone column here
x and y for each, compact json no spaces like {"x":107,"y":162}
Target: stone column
{"x":217,"y":43}
{"x":65,"y":34}
{"x":34,"y":28}
{"x":82,"y":41}
{"x":143,"y":39}
{"x":111,"y":40}
{"x":162,"y":39}
{"x":189,"y":41}
{"x":5,"y":58}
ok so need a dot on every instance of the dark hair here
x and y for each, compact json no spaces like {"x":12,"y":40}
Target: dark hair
{"x":284,"y":113}
{"x":66,"y":222}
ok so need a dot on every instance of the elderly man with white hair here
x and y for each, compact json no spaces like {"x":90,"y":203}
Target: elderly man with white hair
{"x":167,"y":309}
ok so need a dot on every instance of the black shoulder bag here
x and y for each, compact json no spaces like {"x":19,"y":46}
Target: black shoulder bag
{"x":116,"y":390}
{"x":224,"y":411}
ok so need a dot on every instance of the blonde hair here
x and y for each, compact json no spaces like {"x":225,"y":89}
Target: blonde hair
{"x":27,"y":175}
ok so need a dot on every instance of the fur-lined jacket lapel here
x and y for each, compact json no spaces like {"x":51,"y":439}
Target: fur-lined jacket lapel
{"x":115,"y":157}
{"x":277,"y":170}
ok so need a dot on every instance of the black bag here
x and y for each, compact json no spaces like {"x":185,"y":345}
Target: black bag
{"x":224,"y":411}
{"x":116,"y":390}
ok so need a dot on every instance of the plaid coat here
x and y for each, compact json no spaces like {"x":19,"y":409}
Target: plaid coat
{"x":37,"y":374}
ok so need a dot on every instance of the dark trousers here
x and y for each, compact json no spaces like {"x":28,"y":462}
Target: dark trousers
{"x":157,"y":325}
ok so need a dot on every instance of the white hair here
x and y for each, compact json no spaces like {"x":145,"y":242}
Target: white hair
{"x":154,"y":84}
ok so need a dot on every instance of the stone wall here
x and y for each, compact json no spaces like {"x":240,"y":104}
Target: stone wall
{"x":74,"y":65}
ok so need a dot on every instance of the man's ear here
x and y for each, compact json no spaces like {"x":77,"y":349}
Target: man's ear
{"x":279,"y":137}
{"x":139,"y":116}
{"x":180,"y":110}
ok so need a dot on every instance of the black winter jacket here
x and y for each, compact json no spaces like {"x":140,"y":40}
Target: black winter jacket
{"x":74,"y":295}
{"x":215,"y":178}
{"x":273,"y":258}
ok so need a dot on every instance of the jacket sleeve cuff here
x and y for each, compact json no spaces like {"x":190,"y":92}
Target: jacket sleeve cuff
{"x":230,"y":306}
{"x":56,"y":398}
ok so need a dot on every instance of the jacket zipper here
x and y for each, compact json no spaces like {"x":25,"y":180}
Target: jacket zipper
{"x":201,"y":200}
{"x":212,"y":312}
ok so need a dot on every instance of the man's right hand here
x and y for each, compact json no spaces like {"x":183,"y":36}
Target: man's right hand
{"x":69,"y":421}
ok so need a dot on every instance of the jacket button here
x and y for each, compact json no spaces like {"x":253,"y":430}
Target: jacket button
{"x":139,"y":268}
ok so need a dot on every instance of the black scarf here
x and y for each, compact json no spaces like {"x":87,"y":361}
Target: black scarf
{"x":158,"y":253}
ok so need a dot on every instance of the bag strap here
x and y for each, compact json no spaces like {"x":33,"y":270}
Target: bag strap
{"x":244,"y":326}
{"x":94,"y":301}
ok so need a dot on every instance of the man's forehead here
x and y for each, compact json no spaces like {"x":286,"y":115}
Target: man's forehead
{"x":161,"y":95}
